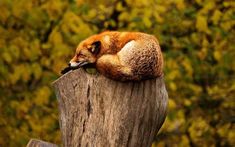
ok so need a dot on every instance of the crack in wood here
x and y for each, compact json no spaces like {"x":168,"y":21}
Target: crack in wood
{"x":123,"y":113}
{"x":89,"y":108}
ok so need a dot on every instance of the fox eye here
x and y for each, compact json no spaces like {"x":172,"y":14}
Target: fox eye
{"x":80,"y":55}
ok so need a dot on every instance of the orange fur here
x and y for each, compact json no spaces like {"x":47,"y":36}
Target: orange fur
{"x":123,"y":55}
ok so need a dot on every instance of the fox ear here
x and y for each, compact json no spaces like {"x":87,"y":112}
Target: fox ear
{"x":95,"y":47}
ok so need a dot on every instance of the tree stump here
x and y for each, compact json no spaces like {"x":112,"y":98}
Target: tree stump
{"x":40,"y":143}
{"x":97,"y":111}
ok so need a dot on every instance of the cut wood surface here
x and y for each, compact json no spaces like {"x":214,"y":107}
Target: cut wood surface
{"x":97,"y":111}
{"x":40,"y":143}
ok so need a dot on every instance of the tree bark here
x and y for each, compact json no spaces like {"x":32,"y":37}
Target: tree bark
{"x":97,"y":111}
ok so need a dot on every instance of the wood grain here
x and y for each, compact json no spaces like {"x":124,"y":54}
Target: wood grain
{"x":97,"y":111}
{"x":40,"y":143}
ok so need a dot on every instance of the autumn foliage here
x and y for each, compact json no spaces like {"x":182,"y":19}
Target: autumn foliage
{"x":38,"y":38}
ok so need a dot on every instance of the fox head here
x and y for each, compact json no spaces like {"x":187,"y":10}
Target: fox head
{"x":86,"y":53}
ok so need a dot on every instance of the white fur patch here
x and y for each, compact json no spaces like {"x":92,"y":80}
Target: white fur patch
{"x":127,"y":52}
{"x":73,"y":64}
{"x":106,"y":39}
{"x":127,"y":49}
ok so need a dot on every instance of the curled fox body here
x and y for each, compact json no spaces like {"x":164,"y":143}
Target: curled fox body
{"x":121,"y":55}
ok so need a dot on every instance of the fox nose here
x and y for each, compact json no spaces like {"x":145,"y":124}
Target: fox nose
{"x":69,"y":64}
{"x":74,"y":64}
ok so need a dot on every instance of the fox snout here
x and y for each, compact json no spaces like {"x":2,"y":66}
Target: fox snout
{"x":73,"y":63}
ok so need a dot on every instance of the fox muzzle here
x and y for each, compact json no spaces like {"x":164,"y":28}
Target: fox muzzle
{"x":78,"y":64}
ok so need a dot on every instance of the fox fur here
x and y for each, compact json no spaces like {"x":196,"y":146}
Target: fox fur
{"x":121,"y":56}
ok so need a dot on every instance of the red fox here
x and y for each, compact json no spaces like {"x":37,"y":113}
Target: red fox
{"x":121,"y":55}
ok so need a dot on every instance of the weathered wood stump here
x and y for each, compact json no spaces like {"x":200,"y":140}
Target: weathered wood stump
{"x":97,"y":111}
{"x":40,"y":143}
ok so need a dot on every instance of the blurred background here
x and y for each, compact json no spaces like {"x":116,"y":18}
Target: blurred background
{"x":38,"y":38}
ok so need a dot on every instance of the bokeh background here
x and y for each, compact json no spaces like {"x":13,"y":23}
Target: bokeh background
{"x":38,"y":38}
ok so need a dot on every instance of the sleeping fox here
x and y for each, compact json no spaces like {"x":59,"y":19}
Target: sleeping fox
{"x":121,"y":56}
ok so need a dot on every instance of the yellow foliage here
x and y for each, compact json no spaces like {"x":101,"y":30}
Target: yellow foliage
{"x":180,"y":4}
{"x":185,"y":141}
{"x":56,"y":37}
{"x":5,"y":13}
{"x":202,"y":53}
{"x":54,"y":8}
{"x":187,"y":102}
{"x":231,"y":136}
{"x":201,"y":24}
{"x":171,"y":104}
{"x":42,"y":96}
{"x":187,"y":65}
{"x":224,"y":130}
{"x":216,"y":16}
{"x":147,"y":22}
{"x":207,"y":6}
{"x":159,"y":19}
{"x":199,"y":130}
{"x":217,"y":55}
{"x":38,"y":38}
{"x":7,"y":57}
{"x":172,"y":86}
